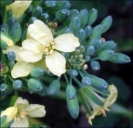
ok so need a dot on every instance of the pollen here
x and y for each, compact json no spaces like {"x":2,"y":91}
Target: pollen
{"x":48,"y":50}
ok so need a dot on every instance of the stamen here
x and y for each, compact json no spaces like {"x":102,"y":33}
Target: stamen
{"x":49,"y":48}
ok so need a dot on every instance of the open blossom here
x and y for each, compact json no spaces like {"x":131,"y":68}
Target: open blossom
{"x":20,"y":110}
{"x":41,"y":45}
{"x":18,"y":7}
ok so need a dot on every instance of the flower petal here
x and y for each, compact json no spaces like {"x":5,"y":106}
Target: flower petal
{"x":35,"y":110}
{"x":19,"y":7}
{"x":66,"y":42}
{"x":56,"y":63}
{"x":22,"y":123}
{"x":21,"y":69}
{"x":14,"y":49}
{"x":40,"y":32}
{"x":41,"y":64}
{"x":29,"y":56}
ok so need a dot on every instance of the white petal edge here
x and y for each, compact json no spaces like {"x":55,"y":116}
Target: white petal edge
{"x":23,"y":123}
{"x":35,"y":110}
{"x":56,"y":63}
{"x":66,"y":42}
{"x":40,"y":32}
{"x":21,"y":69}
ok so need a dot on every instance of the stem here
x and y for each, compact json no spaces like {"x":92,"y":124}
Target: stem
{"x":66,"y":79}
{"x":10,"y":78}
{"x":96,"y":58}
{"x":71,"y":80}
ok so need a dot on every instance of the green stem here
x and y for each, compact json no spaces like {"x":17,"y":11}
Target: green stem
{"x":96,"y":58}
{"x":10,"y":77}
{"x":66,"y":79}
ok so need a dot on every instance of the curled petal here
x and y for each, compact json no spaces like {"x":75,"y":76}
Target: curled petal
{"x":21,"y":69}
{"x":14,"y":49}
{"x":56,"y":63}
{"x":35,"y":110}
{"x":66,"y":42}
{"x":29,"y":56}
{"x":21,"y":103}
{"x":40,"y":32}
{"x":22,"y":123}
{"x":18,"y":7}
{"x":10,"y":113}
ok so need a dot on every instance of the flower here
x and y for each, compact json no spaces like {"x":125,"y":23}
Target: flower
{"x":20,"y":110}
{"x":18,"y":7}
{"x":40,"y":44}
{"x":97,"y":109}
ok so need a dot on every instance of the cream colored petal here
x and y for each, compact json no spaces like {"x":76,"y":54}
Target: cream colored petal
{"x":41,"y":64}
{"x":56,"y":63}
{"x":66,"y":42}
{"x":10,"y":113}
{"x":32,"y":45}
{"x":29,"y":56}
{"x":14,"y":49}
{"x":21,"y":69}
{"x":22,"y":123}
{"x":18,"y":7}
{"x":40,"y":32}
{"x":35,"y":110}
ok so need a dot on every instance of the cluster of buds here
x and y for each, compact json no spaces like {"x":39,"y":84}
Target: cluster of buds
{"x":44,"y":41}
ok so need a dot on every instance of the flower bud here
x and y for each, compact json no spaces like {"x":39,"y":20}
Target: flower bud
{"x":11,"y":63}
{"x":54,"y":87}
{"x":50,"y":4}
{"x":34,"y":85}
{"x":83,"y":14}
{"x":45,"y":17}
{"x":120,"y":58}
{"x":16,"y":32}
{"x":5,"y":29}
{"x":73,"y":107}
{"x":74,"y":73}
{"x":92,"y":16}
{"x":31,"y":20}
{"x":106,"y":55}
{"x":75,"y":24}
{"x":106,"y":23}
{"x":88,"y":30}
{"x":17,"y":84}
{"x":37,"y":11}
{"x":86,"y":81}
{"x":95,"y":65}
{"x":4,"y":88}
{"x":97,"y":31}
{"x":87,"y":58}
{"x":97,"y":43}
{"x":11,"y":55}
{"x":90,"y":50}
{"x":81,"y":34}
{"x":37,"y":72}
{"x":70,"y":91}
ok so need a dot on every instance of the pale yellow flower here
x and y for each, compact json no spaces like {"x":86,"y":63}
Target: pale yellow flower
{"x":21,"y":109}
{"x":97,"y":110}
{"x":19,"y":7}
{"x":40,"y":44}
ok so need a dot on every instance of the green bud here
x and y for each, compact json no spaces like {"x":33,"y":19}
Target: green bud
{"x":98,"y":83}
{"x":4,"y":3}
{"x":95,"y":42}
{"x":37,"y":11}
{"x":73,"y":73}
{"x":92,"y":95}
{"x":11,"y":55}
{"x":34,"y":85}
{"x":17,"y":84}
{"x":64,"y":30}
{"x":50,"y":4}
{"x":31,"y":20}
{"x":106,"y":55}
{"x":75,"y":24}
{"x":3,"y":45}
{"x":91,"y":50}
{"x":106,"y":23}
{"x":87,"y":58}
{"x":81,"y":34}
{"x":54,"y":87}
{"x":108,"y":45}
{"x":88,"y":30}
{"x":45,"y":17}
{"x":10,"y":22}
{"x":97,"y":31}
{"x":11,"y":63}
{"x":86,"y":81}
{"x":24,"y":34}
{"x":73,"y":107}
{"x":4,"y":88}
{"x":92,"y":16}
{"x":37,"y":72}
{"x":44,"y":91}
{"x":71,"y":91}
{"x":83,"y":15}
{"x":5,"y":29}
{"x":95,"y":65}
{"x":16,"y":32}
{"x":120,"y":58}
{"x":63,"y":4}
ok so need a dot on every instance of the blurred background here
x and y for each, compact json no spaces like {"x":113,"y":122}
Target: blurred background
{"x":120,"y":75}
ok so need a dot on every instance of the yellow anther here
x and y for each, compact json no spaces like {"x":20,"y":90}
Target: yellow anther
{"x":51,"y":51}
{"x":52,"y":43}
{"x":46,"y":50}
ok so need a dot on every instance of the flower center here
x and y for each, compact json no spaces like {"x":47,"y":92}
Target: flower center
{"x":49,"y":48}
{"x":20,"y":115}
